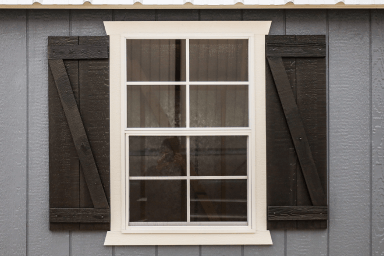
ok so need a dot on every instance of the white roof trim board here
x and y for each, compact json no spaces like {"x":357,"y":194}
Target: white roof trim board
{"x":195,"y":2}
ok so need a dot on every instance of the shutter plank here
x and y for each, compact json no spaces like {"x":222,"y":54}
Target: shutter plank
{"x":302,"y":213}
{"x":94,"y":109}
{"x":311,"y":101}
{"x":306,"y":79}
{"x":79,"y":215}
{"x":297,"y":131}
{"x":63,"y":159}
{"x":281,"y":156}
{"x":78,"y":134}
{"x":296,"y":46}
{"x":78,"y":52}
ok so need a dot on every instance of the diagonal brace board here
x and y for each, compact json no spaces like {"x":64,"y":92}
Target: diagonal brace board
{"x":79,"y":135}
{"x":296,"y":128}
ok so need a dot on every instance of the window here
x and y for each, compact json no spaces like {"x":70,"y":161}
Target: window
{"x":187,"y":133}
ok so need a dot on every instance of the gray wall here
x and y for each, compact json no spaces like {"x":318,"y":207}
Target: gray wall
{"x":355,"y":123}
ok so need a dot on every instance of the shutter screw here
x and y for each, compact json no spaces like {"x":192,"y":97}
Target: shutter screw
{"x":300,"y":138}
{"x":102,"y":216}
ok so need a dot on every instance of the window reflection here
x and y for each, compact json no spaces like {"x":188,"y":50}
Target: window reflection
{"x":157,"y":156}
{"x":155,"y":60}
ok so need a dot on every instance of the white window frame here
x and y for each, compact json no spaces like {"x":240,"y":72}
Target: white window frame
{"x":255,"y":232}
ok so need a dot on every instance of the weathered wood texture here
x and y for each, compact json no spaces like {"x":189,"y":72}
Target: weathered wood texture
{"x":292,"y":46}
{"x":89,"y":95}
{"x":78,"y":134}
{"x":296,"y":125}
{"x":349,"y":130}
{"x":296,"y":88}
{"x":297,"y":212}
{"x":83,"y":215}
{"x":310,"y":22}
{"x":88,"y":23}
{"x":77,"y":52}
{"x":377,"y":52}
{"x":13,"y":132}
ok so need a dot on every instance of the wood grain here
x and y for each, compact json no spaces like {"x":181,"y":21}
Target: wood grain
{"x":64,"y":163}
{"x":94,"y":110}
{"x":297,"y":213}
{"x":280,"y":149}
{"x":78,"y":133}
{"x":297,"y":131}
{"x":296,"y":46}
{"x":89,"y":23}
{"x":78,"y":52}
{"x":83,"y":215}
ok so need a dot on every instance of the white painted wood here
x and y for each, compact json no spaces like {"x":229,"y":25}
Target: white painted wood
{"x":250,"y":27}
{"x":188,"y":174}
{"x":244,"y":223}
{"x":117,"y":238}
{"x":255,"y":31}
{"x":13,"y":132}
{"x":41,"y":241}
{"x":188,"y":131}
{"x":190,"y":177}
{"x":200,"y":3}
{"x":191,"y":83}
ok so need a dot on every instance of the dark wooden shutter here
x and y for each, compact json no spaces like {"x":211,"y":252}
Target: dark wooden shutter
{"x":296,"y":132}
{"x":78,"y":133}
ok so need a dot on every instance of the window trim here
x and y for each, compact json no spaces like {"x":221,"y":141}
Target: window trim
{"x":257,"y":234}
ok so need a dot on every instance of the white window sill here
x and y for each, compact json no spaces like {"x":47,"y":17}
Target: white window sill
{"x":118,"y":238}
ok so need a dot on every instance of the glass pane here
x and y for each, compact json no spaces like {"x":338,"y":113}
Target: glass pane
{"x":155,"y":106}
{"x":157,"y":156}
{"x":219,"y":105}
{"x":218,"y":200}
{"x":218,"y":60}
{"x":157,"y":200}
{"x":218,"y":156}
{"x":155,"y":60}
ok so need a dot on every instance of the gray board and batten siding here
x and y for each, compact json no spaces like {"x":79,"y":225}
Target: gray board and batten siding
{"x":355,"y":84}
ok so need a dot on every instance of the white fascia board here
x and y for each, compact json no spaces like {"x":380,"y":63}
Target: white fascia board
{"x":189,"y":3}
